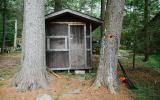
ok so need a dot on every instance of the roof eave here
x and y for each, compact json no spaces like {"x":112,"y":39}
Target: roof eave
{"x":75,"y":13}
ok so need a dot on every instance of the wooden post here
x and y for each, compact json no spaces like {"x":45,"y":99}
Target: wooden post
{"x":15,"y":35}
{"x":85,"y":43}
{"x":91,"y":45}
{"x":69,"y":41}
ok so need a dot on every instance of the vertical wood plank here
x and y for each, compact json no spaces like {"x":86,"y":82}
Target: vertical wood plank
{"x":90,"y":45}
{"x":69,"y":41}
{"x":85,"y":49}
{"x":48,"y":43}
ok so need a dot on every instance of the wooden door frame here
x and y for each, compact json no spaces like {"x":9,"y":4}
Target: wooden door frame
{"x":85,"y":48}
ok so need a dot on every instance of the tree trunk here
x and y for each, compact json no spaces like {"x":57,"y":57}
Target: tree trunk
{"x":33,"y":73}
{"x":146,"y":19}
{"x":4,"y":25}
{"x":58,"y":5}
{"x":106,"y":74}
{"x":134,"y":51}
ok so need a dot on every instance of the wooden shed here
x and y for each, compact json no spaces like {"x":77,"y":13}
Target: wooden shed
{"x":69,"y":40}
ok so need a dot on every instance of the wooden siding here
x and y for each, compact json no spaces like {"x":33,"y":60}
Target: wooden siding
{"x":61,"y":53}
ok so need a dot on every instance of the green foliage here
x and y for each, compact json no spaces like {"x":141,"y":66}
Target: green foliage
{"x":91,"y":7}
{"x":133,"y":24}
{"x":96,"y":35}
{"x":14,"y":10}
{"x":146,"y":84}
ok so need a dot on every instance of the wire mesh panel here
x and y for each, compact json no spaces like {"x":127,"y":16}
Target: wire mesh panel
{"x":57,"y":49}
{"x":58,"y":29}
{"x":88,"y":58}
{"x":77,"y":46}
{"x":58,"y":59}
{"x":88,"y":43}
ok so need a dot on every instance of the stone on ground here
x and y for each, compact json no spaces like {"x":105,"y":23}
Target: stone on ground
{"x":80,"y":72}
{"x":43,"y":97}
{"x":73,"y":92}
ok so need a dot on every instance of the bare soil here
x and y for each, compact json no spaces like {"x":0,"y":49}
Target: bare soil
{"x":58,"y":85}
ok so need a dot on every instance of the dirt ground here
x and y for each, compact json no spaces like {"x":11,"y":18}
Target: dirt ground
{"x":62,"y":87}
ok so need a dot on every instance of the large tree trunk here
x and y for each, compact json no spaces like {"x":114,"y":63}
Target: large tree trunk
{"x":106,"y":74}
{"x":33,"y":73}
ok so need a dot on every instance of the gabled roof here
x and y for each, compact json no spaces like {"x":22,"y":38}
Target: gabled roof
{"x":74,"y":14}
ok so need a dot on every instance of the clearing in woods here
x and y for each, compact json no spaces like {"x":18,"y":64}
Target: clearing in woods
{"x":63,"y":86}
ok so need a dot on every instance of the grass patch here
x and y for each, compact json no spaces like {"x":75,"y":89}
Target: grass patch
{"x":144,"y":91}
{"x":154,"y":61}
{"x":124,"y":53}
{"x":1,"y":84}
{"x":145,"y":75}
{"x":86,"y":76}
{"x":7,"y":73}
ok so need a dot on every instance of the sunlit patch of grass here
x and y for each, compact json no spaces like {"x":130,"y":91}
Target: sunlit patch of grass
{"x":10,"y":97}
{"x":154,"y":61}
{"x":7,"y":73}
{"x":86,"y":76}
{"x":1,"y":84}
{"x":124,"y":53}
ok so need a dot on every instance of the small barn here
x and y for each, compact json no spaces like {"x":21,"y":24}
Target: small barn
{"x":69,"y":40}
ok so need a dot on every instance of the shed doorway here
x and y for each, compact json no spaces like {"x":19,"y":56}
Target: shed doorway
{"x":77,"y":46}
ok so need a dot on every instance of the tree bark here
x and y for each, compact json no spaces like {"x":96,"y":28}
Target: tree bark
{"x":134,"y":51}
{"x":33,"y":73}
{"x":106,"y":74}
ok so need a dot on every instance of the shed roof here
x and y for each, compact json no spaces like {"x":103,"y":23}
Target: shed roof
{"x":74,"y":15}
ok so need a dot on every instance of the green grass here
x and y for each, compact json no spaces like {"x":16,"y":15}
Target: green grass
{"x":147,"y":90}
{"x":1,"y":84}
{"x":153,"y":62}
{"x":7,"y":73}
{"x":86,"y":76}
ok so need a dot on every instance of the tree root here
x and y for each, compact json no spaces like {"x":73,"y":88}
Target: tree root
{"x":24,"y":81}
